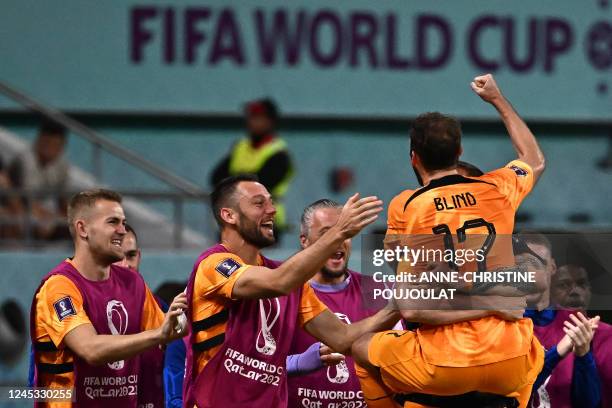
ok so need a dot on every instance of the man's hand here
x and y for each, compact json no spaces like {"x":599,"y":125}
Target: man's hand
{"x":328,"y":357}
{"x":486,"y":87}
{"x":580,"y":333}
{"x":171,"y":329}
{"x":357,"y":214}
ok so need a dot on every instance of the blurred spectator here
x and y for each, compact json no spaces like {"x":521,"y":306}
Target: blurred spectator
{"x":571,"y":287}
{"x":261,"y":153}
{"x":13,"y":333}
{"x":7,"y":229}
{"x":43,"y":168}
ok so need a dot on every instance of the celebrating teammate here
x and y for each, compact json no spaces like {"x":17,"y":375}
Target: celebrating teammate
{"x":245,"y":307}
{"x":318,"y":377}
{"x":151,"y":393}
{"x":489,"y":354}
{"x":90,"y":318}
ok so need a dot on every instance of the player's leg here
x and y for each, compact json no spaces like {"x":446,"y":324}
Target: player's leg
{"x":394,"y":357}
{"x":535,"y":362}
{"x":375,"y":393}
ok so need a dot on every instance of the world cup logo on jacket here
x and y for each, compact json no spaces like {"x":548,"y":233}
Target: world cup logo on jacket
{"x":342,"y":371}
{"x":269,"y":312}
{"x":543,"y":396}
{"x":117,"y":317}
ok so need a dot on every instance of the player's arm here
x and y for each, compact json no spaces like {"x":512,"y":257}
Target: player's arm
{"x":327,"y":328}
{"x":97,"y":349}
{"x":523,"y":140}
{"x":441,"y":317}
{"x":259,"y":282}
{"x":461,"y":308}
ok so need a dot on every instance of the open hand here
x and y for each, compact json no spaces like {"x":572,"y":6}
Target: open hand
{"x":357,"y":214}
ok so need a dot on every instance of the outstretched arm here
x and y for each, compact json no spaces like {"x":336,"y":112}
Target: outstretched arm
{"x":524,"y":141}
{"x":340,"y":336}
{"x":260,"y":282}
{"x":97,"y":349}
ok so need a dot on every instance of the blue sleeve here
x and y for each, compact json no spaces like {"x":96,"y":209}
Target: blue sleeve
{"x":174,"y":372}
{"x":307,"y":362}
{"x":551,"y":359}
{"x":586,"y":386}
{"x":31,"y":368}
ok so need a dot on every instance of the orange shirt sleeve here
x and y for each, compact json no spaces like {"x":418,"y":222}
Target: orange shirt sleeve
{"x":515,"y":181}
{"x":217,"y":274}
{"x":310,"y":305}
{"x":59,"y":309}
{"x":396,"y":220}
{"x":152,"y":315}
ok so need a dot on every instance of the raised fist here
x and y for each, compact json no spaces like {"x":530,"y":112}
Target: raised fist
{"x":486,"y":87}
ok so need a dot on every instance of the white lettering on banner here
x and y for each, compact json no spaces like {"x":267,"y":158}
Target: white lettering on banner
{"x":311,"y":398}
{"x":263,"y":372}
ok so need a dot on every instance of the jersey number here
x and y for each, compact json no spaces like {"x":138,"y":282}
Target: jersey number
{"x":461,"y":237}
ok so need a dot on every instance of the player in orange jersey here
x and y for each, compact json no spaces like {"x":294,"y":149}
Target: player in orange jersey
{"x":489,"y":354}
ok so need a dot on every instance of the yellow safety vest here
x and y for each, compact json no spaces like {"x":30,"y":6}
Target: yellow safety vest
{"x":246,"y":159}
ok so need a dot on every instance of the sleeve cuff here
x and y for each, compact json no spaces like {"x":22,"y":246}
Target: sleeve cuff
{"x":586,"y":361}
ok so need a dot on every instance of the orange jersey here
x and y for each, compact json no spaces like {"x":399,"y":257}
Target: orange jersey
{"x":50,"y":330}
{"x":453,"y":200}
{"x":212,"y":295}
{"x":485,"y":206}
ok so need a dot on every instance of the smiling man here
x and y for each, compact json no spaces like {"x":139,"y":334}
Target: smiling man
{"x":90,"y":318}
{"x":318,"y":377}
{"x":245,"y":308}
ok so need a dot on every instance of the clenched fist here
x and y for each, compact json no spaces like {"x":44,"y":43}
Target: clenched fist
{"x":486,"y":87}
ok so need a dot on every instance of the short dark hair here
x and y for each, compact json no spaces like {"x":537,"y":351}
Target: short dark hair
{"x":436,"y":139}
{"x":88,"y":198}
{"x":469,"y":169}
{"x":51,"y":127}
{"x":265,"y":106}
{"x":224,"y":191}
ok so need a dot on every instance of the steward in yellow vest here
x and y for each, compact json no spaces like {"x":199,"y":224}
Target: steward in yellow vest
{"x":263,"y":154}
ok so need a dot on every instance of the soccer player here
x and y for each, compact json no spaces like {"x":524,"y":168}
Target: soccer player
{"x":89,"y":318}
{"x":488,"y":354}
{"x":317,"y":377}
{"x":349,"y":295}
{"x":151,"y":393}
{"x":131,"y":250}
{"x":573,"y":372}
{"x":245,"y":308}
